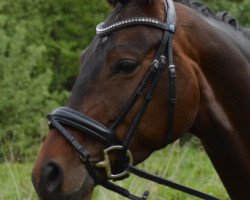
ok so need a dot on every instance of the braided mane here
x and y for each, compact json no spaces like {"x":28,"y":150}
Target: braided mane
{"x":203,"y":9}
{"x":225,"y":17}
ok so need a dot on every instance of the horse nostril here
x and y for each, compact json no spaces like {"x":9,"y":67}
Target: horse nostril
{"x":52,"y":176}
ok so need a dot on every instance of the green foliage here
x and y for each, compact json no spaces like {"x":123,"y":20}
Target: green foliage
{"x":40,"y":44}
{"x":71,"y":26}
{"x":24,"y":78}
{"x":15,"y":182}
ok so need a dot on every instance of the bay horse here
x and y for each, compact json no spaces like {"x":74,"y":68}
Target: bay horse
{"x":123,"y":102}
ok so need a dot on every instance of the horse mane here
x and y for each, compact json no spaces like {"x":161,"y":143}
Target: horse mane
{"x":221,"y":16}
{"x":203,"y":9}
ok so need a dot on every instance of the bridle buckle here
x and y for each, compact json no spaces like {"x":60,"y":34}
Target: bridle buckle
{"x":106,"y":162}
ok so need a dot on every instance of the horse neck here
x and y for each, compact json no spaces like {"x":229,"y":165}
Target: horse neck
{"x":226,"y":143}
{"x":223,"y":76}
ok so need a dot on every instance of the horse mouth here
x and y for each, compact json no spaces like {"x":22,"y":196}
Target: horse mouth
{"x":86,"y":190}
{"x":83,"y":193}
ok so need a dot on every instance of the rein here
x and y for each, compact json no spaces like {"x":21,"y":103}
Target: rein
{"x":69,"y":117}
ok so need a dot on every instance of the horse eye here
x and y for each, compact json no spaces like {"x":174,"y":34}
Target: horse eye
{"x":125,"y":66}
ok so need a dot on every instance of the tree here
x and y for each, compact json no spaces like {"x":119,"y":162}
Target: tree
{"x":71,"y":26}
{"x":40,"y":44}
{"x":25,"y":76}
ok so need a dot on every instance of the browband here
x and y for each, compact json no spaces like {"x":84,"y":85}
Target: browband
{"x":169,"y":25}
{"x":135,"y":21}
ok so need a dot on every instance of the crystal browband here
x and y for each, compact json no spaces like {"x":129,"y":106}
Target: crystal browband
{"x":102,"y":30}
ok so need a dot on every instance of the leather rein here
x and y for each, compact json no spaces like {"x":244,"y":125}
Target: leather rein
{"x":65,"y":116}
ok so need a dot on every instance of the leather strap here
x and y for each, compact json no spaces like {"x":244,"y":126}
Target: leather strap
{"x":171,"y":93}
{"x":122,"y":191}
{"x":84,"y":154}
{"x":171,"y":184}
{"x":83,"y":123}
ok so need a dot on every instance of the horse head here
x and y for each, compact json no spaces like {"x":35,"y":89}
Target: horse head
{"x":118,"y":69}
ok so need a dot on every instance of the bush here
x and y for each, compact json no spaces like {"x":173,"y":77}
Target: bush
{"x":40,"y":45}
{"x":25,"y":76}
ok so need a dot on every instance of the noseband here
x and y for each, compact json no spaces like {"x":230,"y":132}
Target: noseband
{"x":65,"y":116}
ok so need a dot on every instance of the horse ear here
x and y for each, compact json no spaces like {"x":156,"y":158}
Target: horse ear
{"x":111,"y":2}
{"x":114,"y":2}
{"x":145,"y":2}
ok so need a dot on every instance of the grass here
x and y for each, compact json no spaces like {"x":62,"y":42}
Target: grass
{"x":183,"y":164}
{"x":15,"y":182}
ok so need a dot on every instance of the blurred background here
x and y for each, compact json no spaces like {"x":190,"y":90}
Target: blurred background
{"x":40,"y":45}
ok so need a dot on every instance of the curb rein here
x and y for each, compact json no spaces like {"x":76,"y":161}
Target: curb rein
{"x":67,"y":116}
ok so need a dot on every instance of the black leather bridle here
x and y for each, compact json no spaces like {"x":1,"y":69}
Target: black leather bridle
{"x":65,"y":116}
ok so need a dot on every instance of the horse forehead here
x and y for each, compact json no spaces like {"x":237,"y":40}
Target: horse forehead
{"x":136,"y":8}
{"x":124,"y":11}
{"x":100,"y":45}
{"x":104,"y":51}
{"x":134,"y":41}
